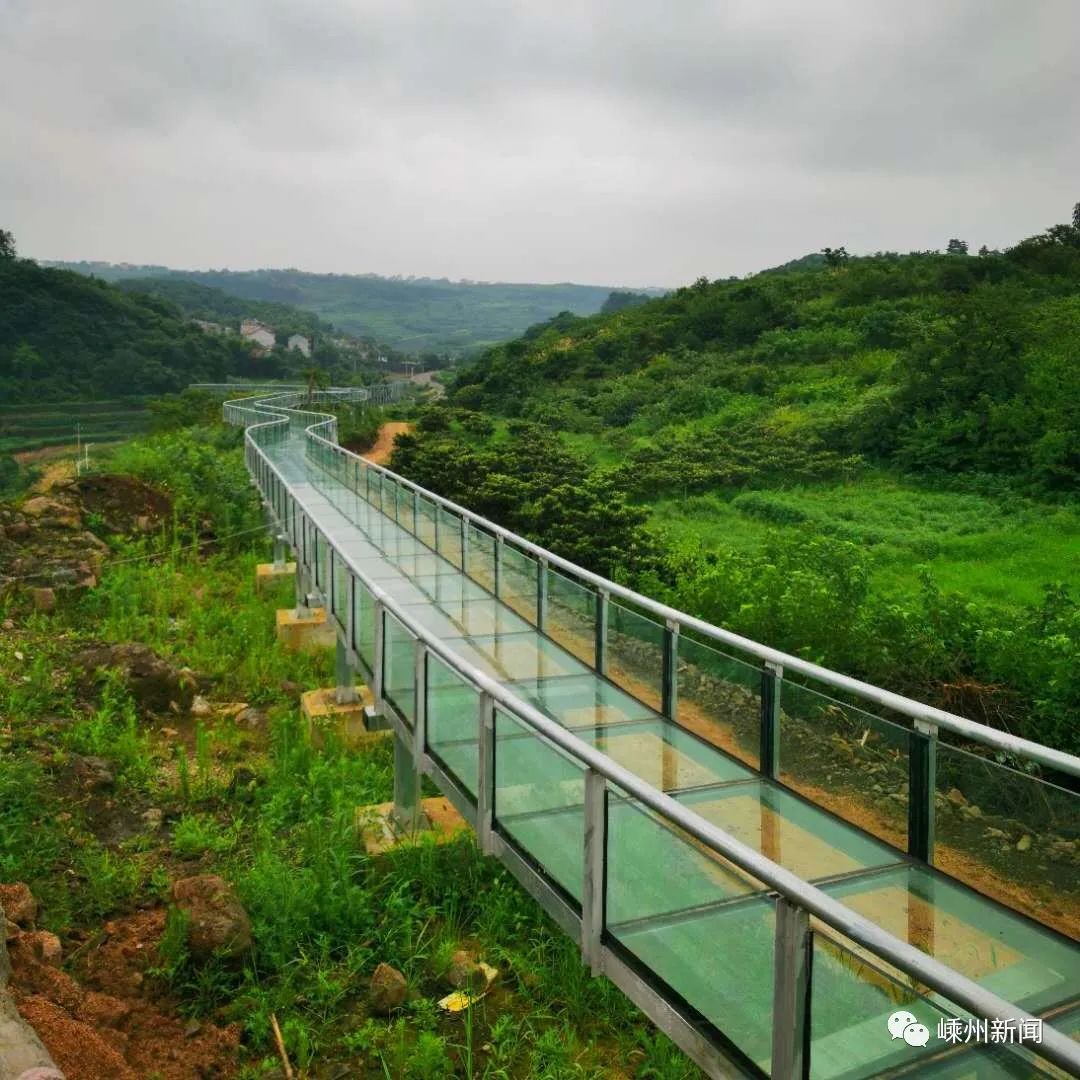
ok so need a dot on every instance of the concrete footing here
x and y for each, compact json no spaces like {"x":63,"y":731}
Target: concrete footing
{"x":377,"y":827}
{"x":267,"y":575}
{"x":325,"y":714}
{"x":305,"y":633}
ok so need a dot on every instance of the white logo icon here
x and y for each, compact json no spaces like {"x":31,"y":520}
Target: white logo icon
{"x":905,"y":1025}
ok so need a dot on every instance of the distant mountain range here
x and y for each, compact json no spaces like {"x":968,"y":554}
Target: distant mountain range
{"x":411,"y":314}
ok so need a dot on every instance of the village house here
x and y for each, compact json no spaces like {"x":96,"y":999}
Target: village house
{"x":258,"y":334}
{"x":300,"y":343}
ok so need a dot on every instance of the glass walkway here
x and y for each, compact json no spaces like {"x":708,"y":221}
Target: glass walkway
{"x":627,"y":770}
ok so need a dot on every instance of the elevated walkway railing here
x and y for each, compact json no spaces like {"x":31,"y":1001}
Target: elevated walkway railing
{"x":649,"y":647}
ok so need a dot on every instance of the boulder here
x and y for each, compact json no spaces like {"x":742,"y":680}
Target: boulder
{"x":387,"y":991}
{"x":19,"y":904}
{"x":217,"y":921}
{"x":956,"y":797}
{"x":44,"y":947}
{"x":200,"y":707}
{"x":93,"y":773}
{"x":153,"y":682}
{"x":52,"y":512}
{"x":464,"y":972}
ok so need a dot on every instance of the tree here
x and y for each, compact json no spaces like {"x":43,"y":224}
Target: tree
{"x":956,"y":247}
{"x":7,"y":245}
{"x":316,"y":379}
{"x":835,"y":257}
{"x":1076,"y":216}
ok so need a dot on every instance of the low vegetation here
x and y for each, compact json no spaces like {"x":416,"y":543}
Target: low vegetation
{"x":106,"y":800}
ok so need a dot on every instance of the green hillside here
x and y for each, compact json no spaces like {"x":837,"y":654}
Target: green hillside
{"x":413,"y":315}
{"x":66,"y":337}
{"x":872,"y":462}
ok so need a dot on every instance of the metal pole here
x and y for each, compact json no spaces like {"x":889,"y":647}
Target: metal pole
{"x":345,"y":692}
{"x":541,"y":594}
{"x":791,"y":992}
{"x":594,"y":880}
{"x":670,"y":678}
{"x":601,"y":631}
{"x":922,"y":789}
{"x":485,"y":784}
{"x":772,"y":678}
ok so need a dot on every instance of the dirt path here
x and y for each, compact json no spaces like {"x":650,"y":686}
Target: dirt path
{"x":380,"y":453}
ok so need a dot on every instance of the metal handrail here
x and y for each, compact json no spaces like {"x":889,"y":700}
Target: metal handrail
{"x":1055,"y":1046}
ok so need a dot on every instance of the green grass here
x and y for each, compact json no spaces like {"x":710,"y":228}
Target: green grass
{"x":1000,"y":549}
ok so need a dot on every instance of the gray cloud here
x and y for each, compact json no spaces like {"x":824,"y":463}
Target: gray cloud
{"x":616,"y":142}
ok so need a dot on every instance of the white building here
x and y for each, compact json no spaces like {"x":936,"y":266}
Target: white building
{"x":300,"y":343}
{"x":255,"y":332}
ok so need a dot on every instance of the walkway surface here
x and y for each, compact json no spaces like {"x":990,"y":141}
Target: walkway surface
{"x":700,"y":924}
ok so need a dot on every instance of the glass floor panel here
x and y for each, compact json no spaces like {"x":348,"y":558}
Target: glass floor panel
{"x":1015,"y":958}
{"x":512,"y":657}
{"x":582,"y":701}
{"x":469,"y":618}
{"x":412,"y":566}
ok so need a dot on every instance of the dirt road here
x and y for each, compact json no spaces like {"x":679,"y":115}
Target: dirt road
{"x":380,"y":453}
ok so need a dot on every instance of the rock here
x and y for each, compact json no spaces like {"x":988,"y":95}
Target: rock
{"x":201,"y":707}
{"x":11,"y":931}
{"x":9,"y":624}
{"x":217,"y":921}
{"x":464,"y":973}
{"x":1023,"y":843}
{"x":144,"y":523}
{"x":291,"y":688}
{"x":250,"y":717}
{"x":153,"y":682}
{"x":242,"y":785}
{"x":95,"y":541}
{"x":44,"y":599}
{"x":956,"y":797}
{"x":19,"y":904}
{"x":45,"y":947}
{"x":19,"y":530}
{"x":387,"y":991}
{"x":152,"y":818}
{"x":93,"y":773}
{"x":52,"y":512}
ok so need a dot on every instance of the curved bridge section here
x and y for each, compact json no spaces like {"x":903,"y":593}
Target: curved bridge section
{"x":753,"y":848}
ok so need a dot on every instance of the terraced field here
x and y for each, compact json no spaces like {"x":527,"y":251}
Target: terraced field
{"x":26,"y":427}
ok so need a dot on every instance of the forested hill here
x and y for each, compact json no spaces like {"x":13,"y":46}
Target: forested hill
{"x":929,"y":363}
{"x":64,"y":336}
{"x":411,"y":314}
{"x":215,"y":305}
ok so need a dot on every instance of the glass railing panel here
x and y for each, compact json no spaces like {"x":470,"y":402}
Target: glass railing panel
{"x":635,"y":653}
{"x":405,"y":511}
{"x":720,"y":699}
{"x":788,"y":830}
{"x":1010,"y":835}
{"x":539,"y":796}
{"x":845,"y":759}
{"x":452,"y":717}
{"x":665,"y":757}
{"x":571,"y":616}
{"x":480,"y":562}
{"x":425,"y":520}
{"x":364,"y":625}
{"x":399,"y":668}
{"x":582,"y":701}
{"x":518,"y":582}
{"x":670,"y":904}
{"x":1027,"y":964}
{"x":450,"y":536}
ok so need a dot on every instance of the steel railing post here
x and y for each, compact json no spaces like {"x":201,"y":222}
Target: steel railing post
{"x":419,"y":702}
{"x":594,"y":880}
{"x":497,"y":569}
{"x":792,"y":947}
{"x":485,"y":783}
{"x":541,"y":594}
{"x":603,"y":601}
{"x":669,"y":693}
{"x":772,"y":679}
{"x":922,"y":791}
{"x":464,"y":546}
{"x":377,"y":657}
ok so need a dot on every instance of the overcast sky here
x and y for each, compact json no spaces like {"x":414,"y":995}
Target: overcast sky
{"x":624,"y":142}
